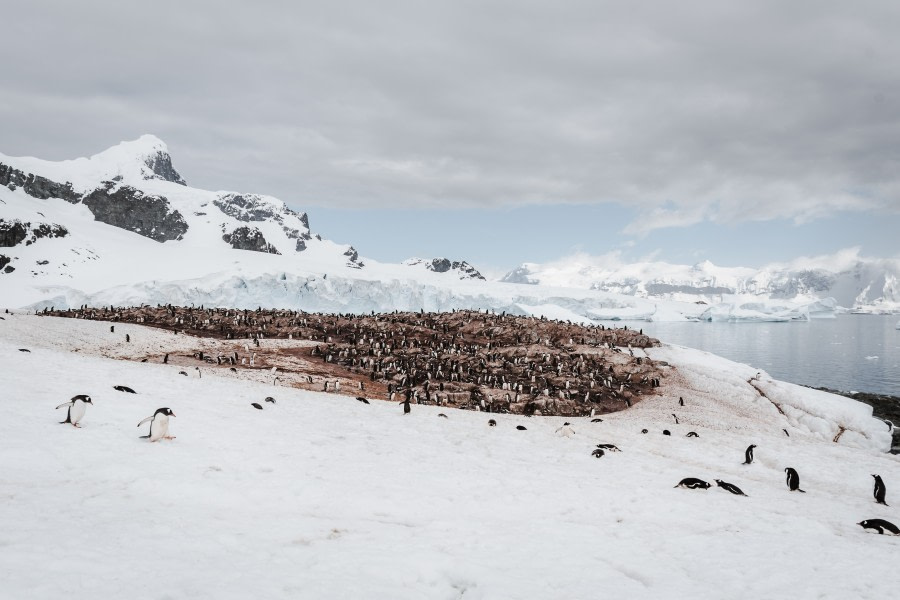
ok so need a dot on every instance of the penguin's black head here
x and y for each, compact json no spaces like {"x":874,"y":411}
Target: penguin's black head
{"x":864,"y":523}
{"x":566,"y":423}
{"x":87,"y":399}
{"x":165,"y":411}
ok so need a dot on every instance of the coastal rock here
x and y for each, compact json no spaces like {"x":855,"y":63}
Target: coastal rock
{"x":249,"y":238}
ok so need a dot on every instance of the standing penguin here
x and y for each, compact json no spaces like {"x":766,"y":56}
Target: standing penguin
{"x":748,"y":455}
{"x":793,"y":480}
{"x":405,"y":403}
{"x":159,"y":425}
{"x":880,"y":490}
{"x":77,"y":406}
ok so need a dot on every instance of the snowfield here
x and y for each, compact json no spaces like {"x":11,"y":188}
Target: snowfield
{"x":321,"y":496}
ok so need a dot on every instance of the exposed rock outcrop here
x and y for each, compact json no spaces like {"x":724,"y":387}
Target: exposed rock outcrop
{"x":249,"y":238}
{"x":13,"y":233}
{"x":129,"y":208}
{"x":445,"y":265}
{"x":353,"y":260}
{"x":161,"y":166}
{"x":35,"y":185}
{"x":4,"y":261}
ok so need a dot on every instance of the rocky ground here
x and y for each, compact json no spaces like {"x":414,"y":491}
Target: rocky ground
{"x":463,"y":359}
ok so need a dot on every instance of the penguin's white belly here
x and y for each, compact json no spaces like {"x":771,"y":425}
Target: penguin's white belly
{"x":159,"y":427}
{"x":76,"y":411}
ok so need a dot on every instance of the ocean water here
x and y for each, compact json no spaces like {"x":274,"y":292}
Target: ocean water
{"x":851,"y":352}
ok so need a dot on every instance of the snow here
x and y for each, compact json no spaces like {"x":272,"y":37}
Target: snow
{"x":321,"y":496}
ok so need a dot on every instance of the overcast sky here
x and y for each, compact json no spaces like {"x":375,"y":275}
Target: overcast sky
{"x":498,"y":132}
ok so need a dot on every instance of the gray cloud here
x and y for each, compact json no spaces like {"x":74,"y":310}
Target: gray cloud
{"x":688,"y":111}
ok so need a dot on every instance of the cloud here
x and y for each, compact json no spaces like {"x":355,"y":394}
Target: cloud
{"x":687,"y":112}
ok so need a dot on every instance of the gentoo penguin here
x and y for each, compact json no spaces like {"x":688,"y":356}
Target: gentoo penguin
{"x":597,"y":420}
{"x":676,"y":418}
{"x":748,"y":455}
{"x":159,"y":425}
{"x":610,"y":447}
{"x":24,"y":350}
{"x":521,"y":427}
{"x":443,"y":415}
{"x":880,"y":490}
{"x":692,"y":434}
{"x":730,"y":487}
{"x":256,"y":405}
{"x":77,"y":406}
{"x":693,"y":483}
{"x":492,"y":423}
{"x":793,"y":480}
{"x":666,"y":432}
{"x":406,"y":407}
{"x":124,"y":388}
{"x":645,"y":431}
{"x":680,"y":401}
{"x":785,"y":432}
{"x":879,"y":525}
{"x":598,"y":453}
{"x":361,"y":399}
{"x":270,"y":399}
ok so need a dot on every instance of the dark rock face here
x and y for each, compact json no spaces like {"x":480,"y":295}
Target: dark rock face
{"x":35,"y":185}
{"x":247,"y":238}
{"x":4,"y":260}
{"x":13,"y":233}
{"x":353,"y":260}
{"x":251,"y":207}
{"x":131,"y":209}
{"x":444,"y":265}
{"x":161,"y":165}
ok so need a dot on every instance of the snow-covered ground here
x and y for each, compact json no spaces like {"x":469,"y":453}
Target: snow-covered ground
{"x":321,"y":496}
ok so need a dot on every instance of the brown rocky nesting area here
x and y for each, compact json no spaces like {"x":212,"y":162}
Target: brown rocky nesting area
{"x":462,"y":359}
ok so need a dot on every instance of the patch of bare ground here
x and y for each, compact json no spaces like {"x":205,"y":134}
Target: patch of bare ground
{"x":463,"y":359}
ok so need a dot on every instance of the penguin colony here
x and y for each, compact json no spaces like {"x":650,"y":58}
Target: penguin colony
{"x":416,"y":356}
{"x":461,"y":359}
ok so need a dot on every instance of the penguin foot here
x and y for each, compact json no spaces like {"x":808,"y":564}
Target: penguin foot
{"x":169,"y":437}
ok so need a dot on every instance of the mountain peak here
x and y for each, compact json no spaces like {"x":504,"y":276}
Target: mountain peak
{"x":148,"y":153}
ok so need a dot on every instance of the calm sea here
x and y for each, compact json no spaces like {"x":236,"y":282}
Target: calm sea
{"x":851,"y":352}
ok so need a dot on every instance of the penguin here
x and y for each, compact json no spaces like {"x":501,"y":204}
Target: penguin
{"x":566,"y":430}
{"x":666,"y":432}
{"x":24,"y":350}
{"x":492,"y":423}
{"x":880,"y":490}
{"x":77,"y":407}
{"x":406,"y":408}
{"x":443,"y":415}
{"x":786,"y":433}
{"x":692,"y":434}
{"x":680,"y":401}
{"x":521,"y":428}
{"x":124,"y":388}
{"x":730,"y":487}
{"x":879,"y":525}
{"x":233,"y":370}
{"x":256,"y":405}
{"x":748,"y":454}
{"x":270,"y":399}
{"x":182,"y":373}
{"x":645,"y":431}
{"x":693,"y":483}
{"x":166,"y":359}
{"x":793,"y":480}
{"x":610,"y":447}
{"x":597,"y":420}
{"x":597,"y":453}
{"x":159,"y":425}
{"x":361,"y":399}
{"x":676,"y":418}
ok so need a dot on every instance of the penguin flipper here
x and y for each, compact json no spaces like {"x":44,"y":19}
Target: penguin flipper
{"x":144,"y":421}
{"x":69,"y":403}
{"x":144,"y":437}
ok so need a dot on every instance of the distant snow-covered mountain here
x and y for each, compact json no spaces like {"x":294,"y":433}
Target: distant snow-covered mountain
{"x":857,"y":283}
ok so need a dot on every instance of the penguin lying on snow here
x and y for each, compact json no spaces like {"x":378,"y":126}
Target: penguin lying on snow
{"x":693,"y":483}
{"x":692,"y":434}
{"x":77,"y":407}
{"x":521,"y":427}
{"x":730,"y":487}
{"x":124,"y":388}
{"x":610,"y":447}
{"x":598,"y":453}
{"x":270,"y":399}
{"x":443,"y":415}
{"x":597,"y":420}
{"x":361,"y":399}
{"x":879,"y":525}
{"x":492,"y":423}
{"x":24,"y":350}
{"x":256,"y":405}
{"x":159,"y":425}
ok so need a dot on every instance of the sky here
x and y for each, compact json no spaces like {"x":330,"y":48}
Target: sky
{"x":496,"y":132}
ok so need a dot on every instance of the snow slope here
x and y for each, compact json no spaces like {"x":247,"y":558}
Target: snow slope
{"x":320,"y":496}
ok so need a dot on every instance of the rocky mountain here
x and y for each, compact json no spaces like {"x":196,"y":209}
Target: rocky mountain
{"x":459,"y":268}
{"x":856,"y":283}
